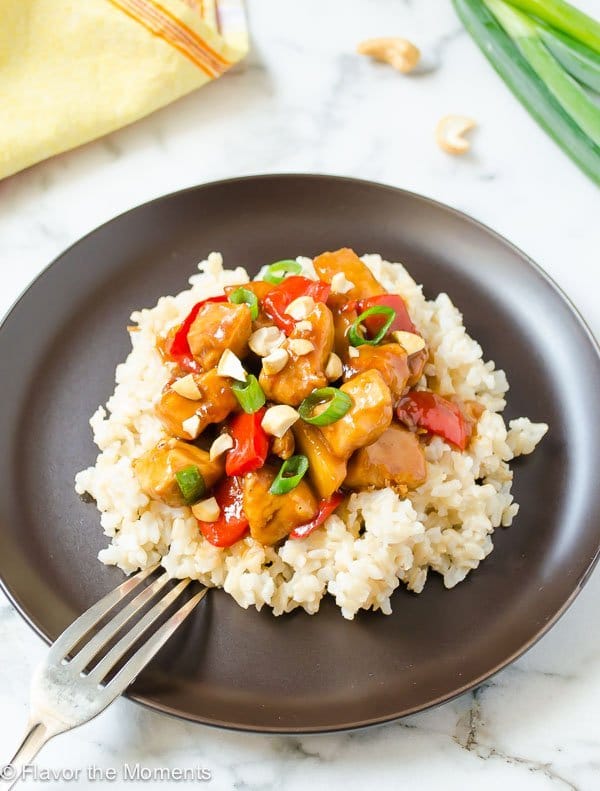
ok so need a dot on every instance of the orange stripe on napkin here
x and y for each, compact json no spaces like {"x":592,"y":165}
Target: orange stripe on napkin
{"x":197,"y":5}
{"x":191,"y":33}
{"x":162,"y":23}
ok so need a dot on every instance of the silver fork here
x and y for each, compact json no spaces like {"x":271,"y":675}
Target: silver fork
{"x":63,"y":696}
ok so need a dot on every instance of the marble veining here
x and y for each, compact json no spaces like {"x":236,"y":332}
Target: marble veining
{"x":303,"y":101}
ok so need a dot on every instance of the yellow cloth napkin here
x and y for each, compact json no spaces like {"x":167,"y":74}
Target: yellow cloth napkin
{"x":73,"y":70}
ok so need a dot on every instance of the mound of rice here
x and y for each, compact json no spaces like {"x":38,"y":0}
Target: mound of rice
{"x":379,"y":539}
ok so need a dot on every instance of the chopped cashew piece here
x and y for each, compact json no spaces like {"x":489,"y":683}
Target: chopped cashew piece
{"x":333,"y":369}
{"x":340,"y":283}
{"x":207,"y":510}
{"x":450,"y":131}
{"x":353,"y":351}
{"x":300,"y":308}
{"x":187,"y":387}
{"x":222,"y":443}
{"x":265,"y":340}
{"x":191,"y":426}
{"x":230,"y":365}
{"x":278,"y":419}
{"x":304,"y":326}
{"x":300,"y":346}
{"x":275,"y":362}
{"x":410,"y":341}
{"x":398,"y":52}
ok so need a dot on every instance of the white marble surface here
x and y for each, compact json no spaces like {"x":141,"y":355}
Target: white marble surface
{"x":304,"y":102}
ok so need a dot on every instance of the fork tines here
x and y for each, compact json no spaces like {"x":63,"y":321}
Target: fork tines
{"x":89,"y":652}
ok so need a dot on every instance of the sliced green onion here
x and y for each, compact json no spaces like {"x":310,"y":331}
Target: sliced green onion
{"x":191,"y":483}
{"x":523,"y":81}
{"x":249,"y":297}
{"x":249,"y":394}
{"x":290,"y":474}
{"x":567,"y":91}
{"x":276,"y":272}
{"x":354,"y":333}
{"x":339,"y":404}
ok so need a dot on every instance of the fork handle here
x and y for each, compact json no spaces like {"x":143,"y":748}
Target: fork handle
{"x":35,"y":738}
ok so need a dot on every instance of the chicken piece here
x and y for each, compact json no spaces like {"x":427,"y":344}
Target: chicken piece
{"x":214,"y":405}
{"x":302,"y":374}
{"x":396,"y":459}
{"x":349,"y":264}
{"x":163,"y":343}
{"x":273,"y":516}
{"x":260,"y":288}
{"x":367,"y":418}
{"x":389,"y":359}
{"x":343,"y":316}
{"x":156,"y":469}
{"x":219,"y":326}
{"x":173,"y":409}
{"x":416,"y":366}
{"x":284,"y":446}
{"x":326,"y":471}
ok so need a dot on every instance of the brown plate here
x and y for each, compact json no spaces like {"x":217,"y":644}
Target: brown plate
{"x":243,"y":669}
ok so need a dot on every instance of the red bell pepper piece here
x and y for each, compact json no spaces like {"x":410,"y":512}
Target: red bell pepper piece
{"x":232,"y":523}
{"x":326,"y":508}
{"x":251,"y":443}
{"x":435,"y":414}
{"x":180,"y":348}
{"x":290,"y":289}
{"x":373,"y":324}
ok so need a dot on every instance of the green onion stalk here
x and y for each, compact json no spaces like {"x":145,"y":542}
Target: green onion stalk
{"x":567,"y":91}
{"x":580,"y":61}
{"x":518,"y":48}
{"x":563,"y":16}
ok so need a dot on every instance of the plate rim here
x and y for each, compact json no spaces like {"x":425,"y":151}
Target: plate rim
{"x":541,"y":273}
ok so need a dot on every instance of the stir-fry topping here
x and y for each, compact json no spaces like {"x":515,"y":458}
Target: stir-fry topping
{"x":336,"y":402}
{"x":207,"y":510}
{"x":244,"y":295}
{"x":222,"y":443}
{"x":290,"y":474}
{"x":289,"y":392}
{"x":275,"y":362}
{"x":249,"y":394}
{"x":289,"y":291}
{"x":191,"y":483}
{"x":266,"y":340}
{"x":279,"y":419}
{"x":276,"y":272}
{"x":356,"y":334}
{"x":230,"y":365}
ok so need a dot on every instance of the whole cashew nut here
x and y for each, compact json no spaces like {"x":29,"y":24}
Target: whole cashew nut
{"x":450,"y":131}
{"x":398,"y":52}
